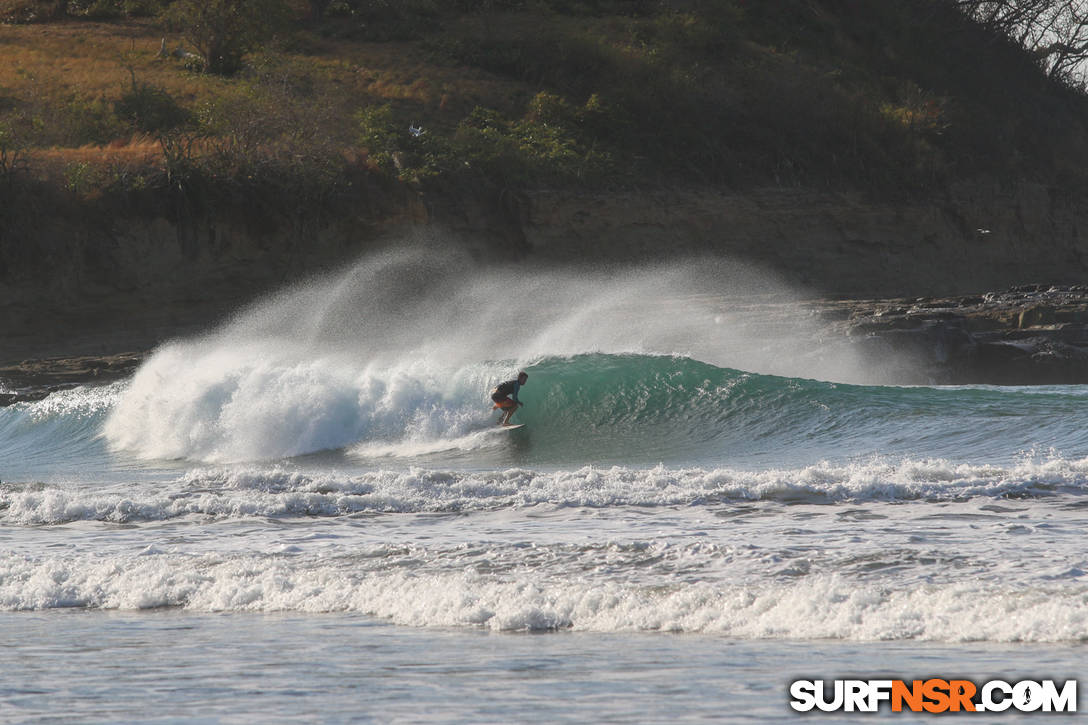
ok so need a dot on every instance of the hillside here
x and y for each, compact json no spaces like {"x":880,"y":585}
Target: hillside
{"x":856,"y":148}
{"x":904,"y":96}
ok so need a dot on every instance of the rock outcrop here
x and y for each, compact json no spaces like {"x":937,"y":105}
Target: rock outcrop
{"x":1034,"y":334}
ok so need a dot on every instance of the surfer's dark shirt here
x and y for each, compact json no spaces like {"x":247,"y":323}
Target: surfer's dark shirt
{"x":504,"y":390}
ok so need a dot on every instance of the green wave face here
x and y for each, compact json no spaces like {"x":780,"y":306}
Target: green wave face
{"x":615,"y":407}
{"x":634,"y":408}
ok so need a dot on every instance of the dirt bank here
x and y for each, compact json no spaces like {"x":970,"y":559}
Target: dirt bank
{"x":101,"y":280}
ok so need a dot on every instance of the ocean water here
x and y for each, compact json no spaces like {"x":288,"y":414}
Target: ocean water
{"x":308,"y":514}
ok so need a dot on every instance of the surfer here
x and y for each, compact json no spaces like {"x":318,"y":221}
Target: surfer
{"x":505,"y":396}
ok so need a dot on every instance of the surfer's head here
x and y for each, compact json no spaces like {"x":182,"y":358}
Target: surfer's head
{"x":522,"y":377}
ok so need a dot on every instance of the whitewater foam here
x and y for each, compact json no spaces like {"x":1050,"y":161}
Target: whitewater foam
{"x":247,"y":404}
{"x":819,"y":606}
{"x":234,"y":492}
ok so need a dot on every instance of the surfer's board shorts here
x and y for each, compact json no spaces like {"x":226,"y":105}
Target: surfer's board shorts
{"x":502,"y":401}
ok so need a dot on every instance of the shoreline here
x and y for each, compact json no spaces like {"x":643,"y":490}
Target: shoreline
{"x":1029,"y":335}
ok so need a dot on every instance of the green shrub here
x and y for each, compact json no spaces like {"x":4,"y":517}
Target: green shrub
{"x":96,"y":9}
{"x":31,"y":11}
{"x":542,"y":147}
{"x":82,"y":178}
{"x":83,"y":121}
{"x":150,"y":109}
{"x":224,"y":31}
{"x":379,"y":134}
{"x":397,"y":147}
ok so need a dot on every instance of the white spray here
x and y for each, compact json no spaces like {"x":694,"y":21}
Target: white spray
{"x":405,"y":345}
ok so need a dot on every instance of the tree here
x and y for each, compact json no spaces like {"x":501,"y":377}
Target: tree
{"x":1055,"y":32}
{"x":223,"y":31}
{"x":1061,"y":44}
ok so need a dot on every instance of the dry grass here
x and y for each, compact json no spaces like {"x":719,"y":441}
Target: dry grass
{"x":138,"y":153}
{"x":87,"y":59}
{"x":51,"y":73}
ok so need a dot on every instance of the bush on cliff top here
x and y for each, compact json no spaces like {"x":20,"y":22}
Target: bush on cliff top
{"x":543,"y":146}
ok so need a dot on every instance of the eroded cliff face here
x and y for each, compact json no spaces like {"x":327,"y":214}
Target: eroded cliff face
{"x":96,"y":282}
{"x":71,"y":283}
{"x":980,"y":238}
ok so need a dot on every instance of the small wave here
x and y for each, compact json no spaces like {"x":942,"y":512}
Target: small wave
{"x":277,"y":492}
{"x":65,"y":426}
{"x":818,"y":606}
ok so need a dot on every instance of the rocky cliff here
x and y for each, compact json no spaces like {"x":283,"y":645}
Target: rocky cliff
{"x":981,"y":237}
{"x":118,"y":279}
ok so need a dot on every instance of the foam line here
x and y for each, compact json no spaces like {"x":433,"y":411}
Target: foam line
{"x":816,"y":607}
{"x":238,"y":492}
